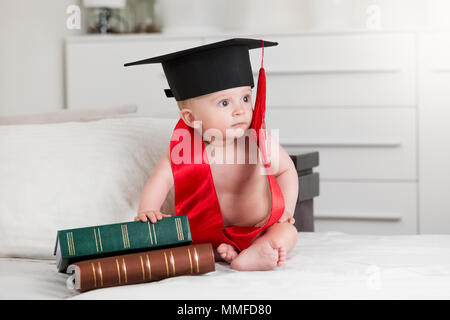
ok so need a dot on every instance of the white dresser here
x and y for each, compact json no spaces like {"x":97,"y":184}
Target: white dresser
{"x":351,"y":96}
{"x":434,"y":131}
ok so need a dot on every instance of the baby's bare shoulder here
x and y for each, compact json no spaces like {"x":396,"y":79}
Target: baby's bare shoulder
{"x":280,"y":161}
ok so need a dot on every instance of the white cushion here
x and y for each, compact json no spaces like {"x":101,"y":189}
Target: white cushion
{"x":74,"y":174}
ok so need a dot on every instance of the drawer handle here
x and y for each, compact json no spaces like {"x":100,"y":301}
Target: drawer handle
{"x":329,"y":71}
{"x":441,"y":69}
{"x":357,"y":215}
{"x":343,"y":144}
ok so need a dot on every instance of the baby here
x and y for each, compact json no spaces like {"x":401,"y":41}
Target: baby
{"x":243,"y":191}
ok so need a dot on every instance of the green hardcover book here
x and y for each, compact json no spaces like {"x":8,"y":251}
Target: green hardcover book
{"x":79,"y":244}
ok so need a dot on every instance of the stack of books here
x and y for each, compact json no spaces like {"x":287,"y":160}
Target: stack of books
{"x":129,"y":253}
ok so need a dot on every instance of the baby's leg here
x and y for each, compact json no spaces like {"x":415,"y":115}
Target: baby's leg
{"x":269,"y":250}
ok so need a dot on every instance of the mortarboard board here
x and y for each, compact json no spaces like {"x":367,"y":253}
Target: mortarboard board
{"x":207,"y":68}
{"x":214,"y":67}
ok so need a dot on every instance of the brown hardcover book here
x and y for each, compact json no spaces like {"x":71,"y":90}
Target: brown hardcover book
{"x":141,"y":267}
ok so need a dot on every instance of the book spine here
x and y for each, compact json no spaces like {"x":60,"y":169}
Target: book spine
{"x":127,"y":236}
{"x":141,"y":267}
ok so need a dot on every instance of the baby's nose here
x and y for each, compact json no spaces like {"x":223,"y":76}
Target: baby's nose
{"x":239,"y":110}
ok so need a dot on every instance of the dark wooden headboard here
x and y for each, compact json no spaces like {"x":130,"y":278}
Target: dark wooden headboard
{"x":308,"y":188}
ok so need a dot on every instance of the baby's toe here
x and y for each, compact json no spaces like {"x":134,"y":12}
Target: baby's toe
{"x":281,"y":255}
{"x":222,"y":248}
{"x":276,"y":244}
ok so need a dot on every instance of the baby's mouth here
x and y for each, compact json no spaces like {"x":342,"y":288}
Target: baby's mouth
{"x":238,"y":124}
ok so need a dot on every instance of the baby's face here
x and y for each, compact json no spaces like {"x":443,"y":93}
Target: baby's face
{"x":229,"y":111}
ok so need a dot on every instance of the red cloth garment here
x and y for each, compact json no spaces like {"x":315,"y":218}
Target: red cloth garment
{"x":195,"y":194}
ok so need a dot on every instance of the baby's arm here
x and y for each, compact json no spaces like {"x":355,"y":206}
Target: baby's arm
{"x":287,"y":178}
{"x":155,"y":191}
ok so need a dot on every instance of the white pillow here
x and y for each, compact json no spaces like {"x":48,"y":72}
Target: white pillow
{"x":73,"y":174}
{"x":68,"y":115}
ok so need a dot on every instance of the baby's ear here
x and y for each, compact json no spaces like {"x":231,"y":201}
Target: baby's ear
{"x":188,"y":117}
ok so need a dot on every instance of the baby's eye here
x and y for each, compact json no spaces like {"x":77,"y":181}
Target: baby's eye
{"x":223,"y":103}
{"x":246,"y":99}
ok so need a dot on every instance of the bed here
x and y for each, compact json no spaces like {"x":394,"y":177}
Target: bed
{"x":90,"y":170}
{"x":327,"y":265}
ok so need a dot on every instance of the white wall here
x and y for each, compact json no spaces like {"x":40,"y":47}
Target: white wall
{"x":31,"y":55}
{"x":32,"y":39}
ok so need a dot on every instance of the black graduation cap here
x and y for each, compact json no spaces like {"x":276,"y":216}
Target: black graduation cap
{"x":208,"y":68}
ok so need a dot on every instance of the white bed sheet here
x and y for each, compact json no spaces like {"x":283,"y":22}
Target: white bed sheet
{"x":327,"y":265}
{"x":31,"y":279}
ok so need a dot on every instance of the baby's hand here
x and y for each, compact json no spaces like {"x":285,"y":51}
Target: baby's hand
{"x":152,"y":215}
{"x":287,"y":217}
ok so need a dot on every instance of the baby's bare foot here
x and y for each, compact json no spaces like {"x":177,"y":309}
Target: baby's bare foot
{"x":281,"y":256}
{"x":265,"y":255}
{"x":227,"y":252}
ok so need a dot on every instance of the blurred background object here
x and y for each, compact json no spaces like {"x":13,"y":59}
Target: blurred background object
{"x":185,"y":17}
{"x":103,"y":13}
{"x":120,"y":16}
{"x":143,"y":11}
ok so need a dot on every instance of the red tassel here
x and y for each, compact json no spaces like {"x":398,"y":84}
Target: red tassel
{"x":259,"y":112}
{"x":260,"y":103}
